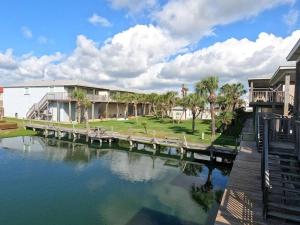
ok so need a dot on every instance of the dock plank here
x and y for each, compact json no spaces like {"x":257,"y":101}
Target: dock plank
{"x":242,"y":199}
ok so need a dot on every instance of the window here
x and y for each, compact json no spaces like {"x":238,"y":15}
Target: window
{"x":26,"y":91}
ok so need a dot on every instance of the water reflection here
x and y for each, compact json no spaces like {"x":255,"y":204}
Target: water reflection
{"x":105,"y":186}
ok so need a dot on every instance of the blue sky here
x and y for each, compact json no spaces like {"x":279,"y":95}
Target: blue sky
{"x":35,"y":30}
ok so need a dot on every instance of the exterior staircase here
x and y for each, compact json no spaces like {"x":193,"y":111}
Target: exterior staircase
{"x":37,"y":108}
{"x":281,"y":169}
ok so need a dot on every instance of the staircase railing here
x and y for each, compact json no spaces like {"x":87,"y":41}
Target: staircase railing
{"x":282,"y":129}
{"x":265,"y":173}
{"x":297,"y":139}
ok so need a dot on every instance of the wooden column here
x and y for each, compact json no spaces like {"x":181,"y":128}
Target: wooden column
{"x":57,"y":112}
{"x":70,"y":111}
{"x":286,"y":95}
{"x":297,"y":91}
{"x":93,"y":110}
{"x":251,"y":91}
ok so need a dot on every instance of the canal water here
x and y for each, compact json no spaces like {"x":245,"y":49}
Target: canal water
{"x":49,"y":182}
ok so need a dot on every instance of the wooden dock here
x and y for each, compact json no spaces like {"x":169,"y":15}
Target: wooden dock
{"x":242,"y":199}
{"x":99,"y":135}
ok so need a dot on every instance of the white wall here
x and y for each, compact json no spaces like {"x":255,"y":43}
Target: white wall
{"x":16,"y":101}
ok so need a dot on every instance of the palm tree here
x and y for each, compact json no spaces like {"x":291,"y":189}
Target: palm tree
{"x":170,"y":98}
{"x":196,"y":104}
{"x":207,"y":88}
{"x":238,"y":91}
{"x":79,"y":95}
{"x":225,"y":118}
{"x":86,"y":105}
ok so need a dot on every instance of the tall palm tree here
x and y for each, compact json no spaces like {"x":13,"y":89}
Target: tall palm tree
{"x":196,"y":103}
{"x":207,"y":88}
{"x":86,"y":105}
{"x":79,"y":95}
{"x":231,"y":94}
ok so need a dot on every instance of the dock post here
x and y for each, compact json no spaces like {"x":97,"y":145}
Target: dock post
{"x":109,"y":142}
{"x":86,"y":138}
{"x":59,"y":134}
{"x":46,"y":133}
{"x":181,"y":153}
{"x":74,"y":137}
{"x":69,"y":135}
{"x":100,"y":141}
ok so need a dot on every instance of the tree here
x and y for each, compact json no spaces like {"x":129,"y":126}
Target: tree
{"x":230,"y":95}
{"x":79,"y":95}
{"x":207,"y":88}
{"x":196,"y":103}
{"x":86,"y":105}
{"x":224,"y":119}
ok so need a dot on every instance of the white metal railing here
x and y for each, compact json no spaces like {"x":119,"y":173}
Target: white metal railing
{"x":266,"y":96}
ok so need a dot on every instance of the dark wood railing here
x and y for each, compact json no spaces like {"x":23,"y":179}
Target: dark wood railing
{"x":297,"y":138}
{"x":282,"y":129}
{"x":265,"y":167}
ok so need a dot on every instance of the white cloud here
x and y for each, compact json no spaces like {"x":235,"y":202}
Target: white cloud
{"x":99,"y":21}
{"x":233,"y":59}
{"x":139,"y":58}
{"x":26,"y":32}
{"x":134,"y":6}
{"x":193,"y":19}
{"x":291,"y":18}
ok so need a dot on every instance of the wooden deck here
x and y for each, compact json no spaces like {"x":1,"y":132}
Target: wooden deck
{"x":242,"y":199}
{"x":98,"y":135}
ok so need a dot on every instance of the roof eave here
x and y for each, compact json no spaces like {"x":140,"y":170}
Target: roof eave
{"x":294,"y":54}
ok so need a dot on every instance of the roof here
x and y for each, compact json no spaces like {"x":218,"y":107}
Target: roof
{"x":281,"y":72}
{"x":261,"y":82}
{"x":56,"y":83}
{"x":294,"y":55}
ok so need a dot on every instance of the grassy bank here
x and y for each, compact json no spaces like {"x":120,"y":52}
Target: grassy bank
{"x":155,"y":127}
{"x":20,"y":131}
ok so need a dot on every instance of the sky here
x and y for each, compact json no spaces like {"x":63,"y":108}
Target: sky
{"x":153,"y":45}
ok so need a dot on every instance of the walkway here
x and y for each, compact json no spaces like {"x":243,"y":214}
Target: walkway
{"x":242,"y":199}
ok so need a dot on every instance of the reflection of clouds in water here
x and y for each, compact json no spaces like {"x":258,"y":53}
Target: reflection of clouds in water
{"x":135,"y":167}
{"x":34,"y":145}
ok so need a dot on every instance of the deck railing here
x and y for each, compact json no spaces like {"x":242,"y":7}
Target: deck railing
{"x":297,"y":139}
{"x":265,"y":173}
{"x":266,"y":96}
{"x":282,"y":129}
{"x":63,"y":96}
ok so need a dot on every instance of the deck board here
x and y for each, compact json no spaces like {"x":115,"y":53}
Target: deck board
{"x":242,"y":199}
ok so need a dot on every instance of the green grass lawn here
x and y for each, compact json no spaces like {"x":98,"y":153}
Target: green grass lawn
{"x":155,"y":127}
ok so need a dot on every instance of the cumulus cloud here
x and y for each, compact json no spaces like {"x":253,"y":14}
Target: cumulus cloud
{"x":133,"y":6}
{"x":148,"y":57}
{"x":233,"y":59}
{"x":193,"y":19}
{"x":26,"y":32}
{"x":99,"y":21}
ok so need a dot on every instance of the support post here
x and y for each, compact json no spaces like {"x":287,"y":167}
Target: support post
{"x":297,"y":91}
{"x":251,"y":91}
{"x":93,"y":111}
{"x":287,"y":95}
{"x":57,"y":112}
{"x":70,"y":111}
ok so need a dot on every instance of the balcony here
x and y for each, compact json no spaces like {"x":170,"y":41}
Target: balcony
{"x":266,"y":97}
{"x":64,"y":96}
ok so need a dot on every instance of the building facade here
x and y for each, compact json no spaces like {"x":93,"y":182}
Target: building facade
{"x":275,"y":94}
{"x":52,"y":100}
